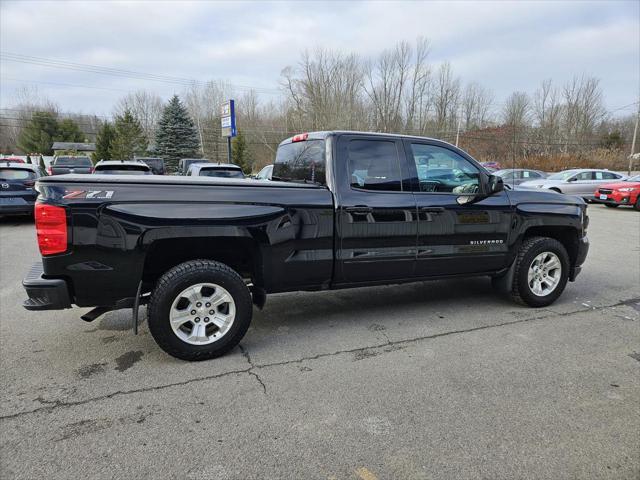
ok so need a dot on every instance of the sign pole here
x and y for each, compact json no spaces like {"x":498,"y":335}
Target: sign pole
{"x":228,"y":124}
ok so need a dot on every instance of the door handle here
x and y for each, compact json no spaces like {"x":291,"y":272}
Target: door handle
{"x":432,"y":209}
{"x":359,"y":210}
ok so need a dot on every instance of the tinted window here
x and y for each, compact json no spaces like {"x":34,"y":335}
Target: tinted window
{"x":373,"y":165}
{"x":607,"y":176}
{"x":300,"y":162}
{"x":112,"y":171}
{"x":68,"y":161}
{"x":530,"y":174}
{"x":443,"y":170}
{"x":221,"y":173}
{"x":16,"y":174}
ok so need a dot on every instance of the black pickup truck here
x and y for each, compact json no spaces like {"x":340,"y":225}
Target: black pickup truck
{"x":344,"y":209}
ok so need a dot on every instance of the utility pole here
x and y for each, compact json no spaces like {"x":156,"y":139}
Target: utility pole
{"x":633,"y":142}
{"x":200,"y":133}
{"x":459,"y":122}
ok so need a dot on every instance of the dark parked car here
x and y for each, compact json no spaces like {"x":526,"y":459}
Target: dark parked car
{"x":185,"y":163}
{"x":512,"y":177}
{"x":121,"y":167}
{"x":17,"y":188}
{"x":221,"y":170}
{"x":344,"y":209}
{"x":156,"y":164}
{"x":70,"y":164}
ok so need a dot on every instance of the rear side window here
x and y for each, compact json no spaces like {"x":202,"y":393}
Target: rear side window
{"x":374,"y":165}
{"x":67,"y":161}
{"x":16,"y":174}
{"x":607,"y":176}
{"x":300,"y":162}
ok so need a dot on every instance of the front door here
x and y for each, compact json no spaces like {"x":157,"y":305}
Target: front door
{"x":376,"y":221}
{"x":456,"y":238}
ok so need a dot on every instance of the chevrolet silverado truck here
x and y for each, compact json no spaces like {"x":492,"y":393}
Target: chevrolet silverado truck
{"x":343,"y":209}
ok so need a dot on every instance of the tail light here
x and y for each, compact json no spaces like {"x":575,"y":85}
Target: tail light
{"x":49,"y":171}
{"x":301,"y":137}
{"x":51,"y":227}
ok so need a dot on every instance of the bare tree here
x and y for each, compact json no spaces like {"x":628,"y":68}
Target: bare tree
{"x":446,"y":98}
{"x":516,"y":111}
{"x":584,"y":108}
{"x":146,"y":107}
{"x":476,"y":103}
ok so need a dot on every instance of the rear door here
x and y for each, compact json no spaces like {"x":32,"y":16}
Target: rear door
{"x":455,"y":238}
{"x":376,"y":218}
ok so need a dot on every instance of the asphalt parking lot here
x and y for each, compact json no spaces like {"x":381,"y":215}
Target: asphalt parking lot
{"x":423,"y":381}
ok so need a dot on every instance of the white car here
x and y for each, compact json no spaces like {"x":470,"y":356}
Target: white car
{"x":582,"y":182}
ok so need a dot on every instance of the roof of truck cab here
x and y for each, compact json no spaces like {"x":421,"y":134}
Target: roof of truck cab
{"x":322,"y":135}
{"x":171,"y":180}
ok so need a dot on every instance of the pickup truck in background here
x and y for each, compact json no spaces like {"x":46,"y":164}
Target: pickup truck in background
{"x":70,"y":164}
{"x":343,"y":209}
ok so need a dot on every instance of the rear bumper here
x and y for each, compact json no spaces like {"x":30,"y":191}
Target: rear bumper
{"x":581,"y":256}
{"x":20,"y":206}
{"x":45,"y":293}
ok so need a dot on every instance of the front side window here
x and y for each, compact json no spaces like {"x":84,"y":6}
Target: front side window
{"x":374,"y":165}
{"x":441,"y":170}
{"x":584,"y":176}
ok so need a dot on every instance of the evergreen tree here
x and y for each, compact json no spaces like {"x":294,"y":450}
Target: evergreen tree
{"x":176,"y":136}
{"x":104,"y":139}
{"x":129,"y":138}
{"x":69,"y":131}
{"x":239,"y":153}
{"x":39,"y":133}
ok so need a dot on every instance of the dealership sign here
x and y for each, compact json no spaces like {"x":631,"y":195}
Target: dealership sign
{"x":228,"y":119}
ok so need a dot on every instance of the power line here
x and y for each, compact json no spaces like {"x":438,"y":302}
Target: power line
{"x":64,"y":84}
{"x":122,"y":73}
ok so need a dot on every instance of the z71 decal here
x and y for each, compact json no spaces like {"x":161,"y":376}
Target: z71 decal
{"x":97,"y":194}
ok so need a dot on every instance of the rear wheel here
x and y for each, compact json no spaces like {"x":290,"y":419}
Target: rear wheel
{"x":611,"y":205}
{"x":199,"y":310}
{"x":542,"y":271}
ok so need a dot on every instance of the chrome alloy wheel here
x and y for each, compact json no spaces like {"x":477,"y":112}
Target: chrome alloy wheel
{"x":544,"y":274}
{"x":202,"y":314}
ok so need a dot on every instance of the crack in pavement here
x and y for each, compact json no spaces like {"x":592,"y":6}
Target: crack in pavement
{"x":54,"y":404}
{"x":245,"y":354}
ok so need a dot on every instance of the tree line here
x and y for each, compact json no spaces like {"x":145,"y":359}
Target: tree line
{"x":399,"y":90}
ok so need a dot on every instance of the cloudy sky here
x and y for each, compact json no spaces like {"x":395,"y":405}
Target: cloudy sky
{"x":505,"y":46}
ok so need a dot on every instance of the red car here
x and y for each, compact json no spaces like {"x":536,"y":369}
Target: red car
{"x":626,"y":192}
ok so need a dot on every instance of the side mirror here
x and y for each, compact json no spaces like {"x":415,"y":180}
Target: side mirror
{"x":495,"y":184}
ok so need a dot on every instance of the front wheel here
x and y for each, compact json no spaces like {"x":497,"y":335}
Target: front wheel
{"x":542,"y":271}
{"x":637,"y":204}
{"x":199,"y":310}
{"x":611,"y":205}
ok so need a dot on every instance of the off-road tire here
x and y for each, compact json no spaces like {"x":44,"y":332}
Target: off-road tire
{"x":175,"y":281}
{"x":530,"y":248}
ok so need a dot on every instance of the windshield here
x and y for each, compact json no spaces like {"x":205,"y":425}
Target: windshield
{"x":114,"y":171}
{"x":300,"y":162}
{"x":16,"y":174}
{"x":221,"y":173}
{"x":122,"y":169}
{"x":562,"y":175}
{"x":67,"y":161}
